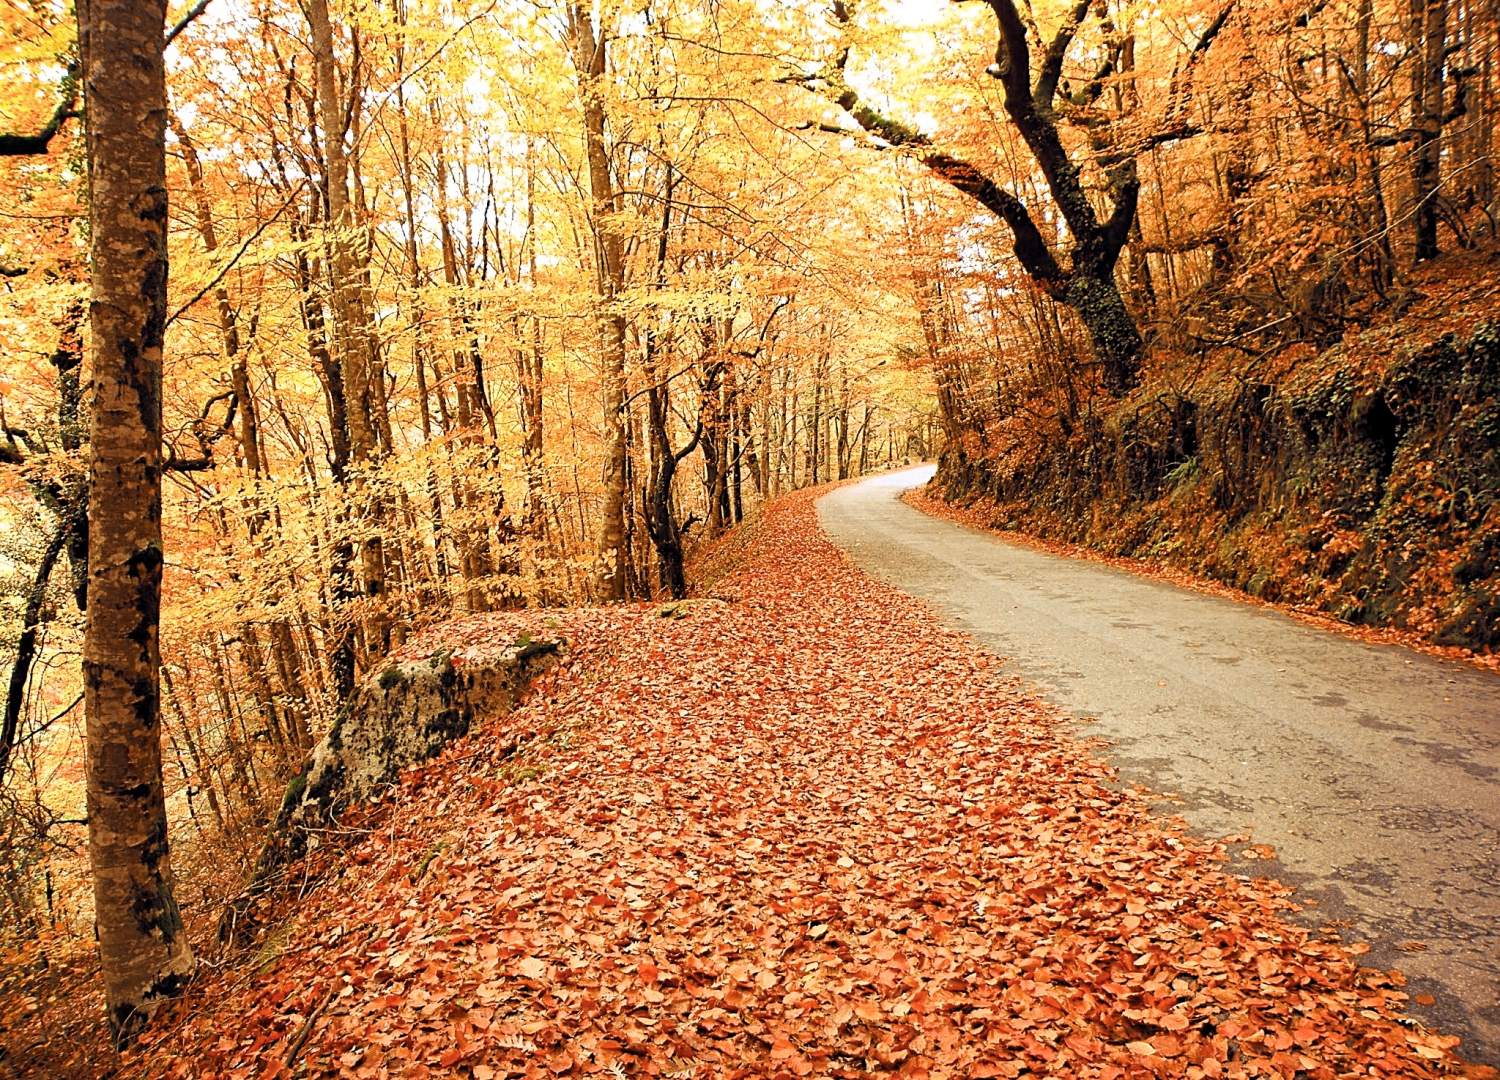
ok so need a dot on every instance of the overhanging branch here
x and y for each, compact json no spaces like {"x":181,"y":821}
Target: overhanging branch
{"x":20,"y":145}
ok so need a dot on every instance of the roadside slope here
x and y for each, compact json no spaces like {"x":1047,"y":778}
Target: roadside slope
{"x":807,"y":831}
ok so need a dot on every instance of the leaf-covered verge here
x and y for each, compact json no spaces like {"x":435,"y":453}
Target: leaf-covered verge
{"x":804,"y":831}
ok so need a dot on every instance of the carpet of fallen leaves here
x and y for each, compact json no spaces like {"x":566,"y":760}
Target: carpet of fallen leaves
{"x":805,"y":831}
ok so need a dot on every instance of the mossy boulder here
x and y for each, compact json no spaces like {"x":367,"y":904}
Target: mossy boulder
{"x":401,"y":715}
{"x":407,"y":712}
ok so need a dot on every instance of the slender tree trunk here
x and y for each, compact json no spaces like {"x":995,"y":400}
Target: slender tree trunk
{"x":815,"y":428}
{"x":249,"y":439}
{"x":1382,"y":257}
{"x":201,"y":775}
{"x":660,"y":517}
{"x":350,"y":323}
{"x":339,"y":632}
{"x":529,"y":371}
{"x":1429,"y":35}
{"x":589,"y":53}
{"x":470,"y":529}
{"x":142,"y":951}
{"x":714,"y":456}
{"x":736,"y":451}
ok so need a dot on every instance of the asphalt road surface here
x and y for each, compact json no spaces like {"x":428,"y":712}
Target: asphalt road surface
{"x":1374,"y":771}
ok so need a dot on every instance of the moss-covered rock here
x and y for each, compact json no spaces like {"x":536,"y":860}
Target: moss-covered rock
{"x":399,"y":717}
{"x":409,"y":712}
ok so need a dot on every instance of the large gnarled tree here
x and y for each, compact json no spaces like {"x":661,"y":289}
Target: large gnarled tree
{"x":1030,"y":71}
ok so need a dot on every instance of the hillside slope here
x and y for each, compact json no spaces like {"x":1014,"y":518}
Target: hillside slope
{"x":1360,"y":480}
{"x":796,"y":829}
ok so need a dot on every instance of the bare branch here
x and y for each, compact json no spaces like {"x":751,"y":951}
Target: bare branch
{"x":1052,"y":62}
{"x":182,"y":23}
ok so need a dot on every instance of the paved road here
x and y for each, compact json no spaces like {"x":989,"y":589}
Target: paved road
{"x":1372,"y":770}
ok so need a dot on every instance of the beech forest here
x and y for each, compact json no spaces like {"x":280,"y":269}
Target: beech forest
{"x":546,"y":538}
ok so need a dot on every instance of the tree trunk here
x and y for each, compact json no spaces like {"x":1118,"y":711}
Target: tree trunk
{"x":589,"y":60}
{"x":1112,"y":329}
{"x":1429,"y":34}
{"x":529,"y":372}
{"x":736,"y":450}
{"x":142,"y":951}
{"x":815,"y":428}
{"x":713,"y":462}
{"x":350,"y":321}
{"x":661,"y":519}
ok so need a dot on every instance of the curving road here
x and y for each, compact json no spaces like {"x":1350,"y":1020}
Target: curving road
{"x":1372,"y":770}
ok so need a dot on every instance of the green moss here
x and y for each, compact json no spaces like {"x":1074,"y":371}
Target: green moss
{"x":272,"y":949}
{"x":336,"y":732}
{"x":294,"y":790}
{"x":420,"y":870}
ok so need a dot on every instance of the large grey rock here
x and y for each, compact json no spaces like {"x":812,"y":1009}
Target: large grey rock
{"x":400,"y":716}
{"x":406,"y":713}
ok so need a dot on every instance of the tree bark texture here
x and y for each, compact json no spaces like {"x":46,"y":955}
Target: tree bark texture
{"x":589,"y":60}
{"x":143,"y":953}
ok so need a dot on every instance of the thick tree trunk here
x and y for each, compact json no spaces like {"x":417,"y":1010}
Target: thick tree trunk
{"x":143,"y":953}
{"x":1111,"y":327}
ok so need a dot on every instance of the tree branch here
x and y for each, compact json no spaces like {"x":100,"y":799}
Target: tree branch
{"x":1177,"y":94}
{"x":244,"y":247}
{"x":1052,"y":62}
{"x":1013,"y":57}
{"x":182,"y":23}
{"x":20,"y":145}
{"x":1030,"y":247}
{"x":1127,"y":192}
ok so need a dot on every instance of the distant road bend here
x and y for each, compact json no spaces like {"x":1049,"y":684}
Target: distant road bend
{"x":1374,"y":771}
